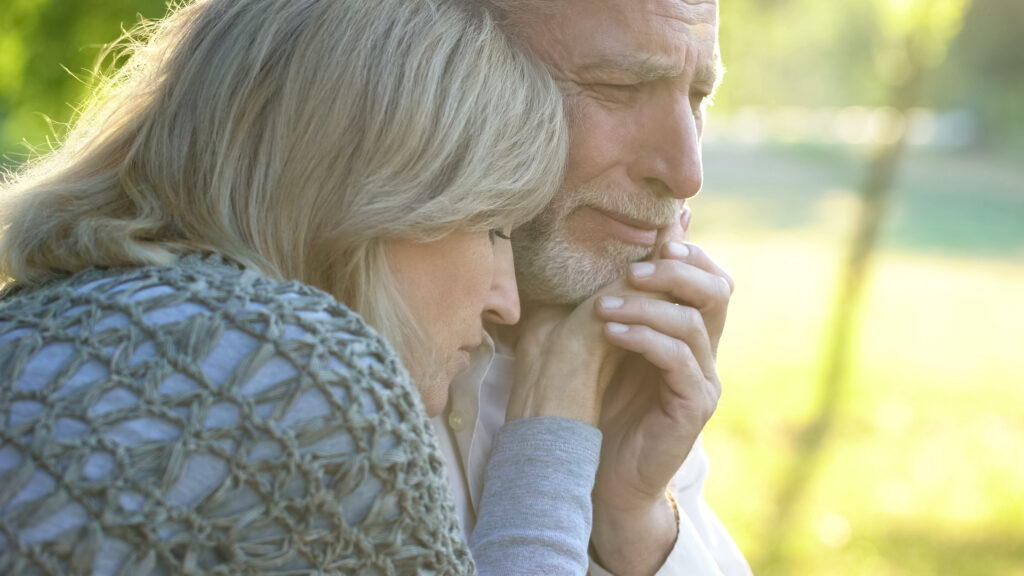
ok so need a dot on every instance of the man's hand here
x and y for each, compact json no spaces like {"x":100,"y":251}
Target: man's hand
{"x":658,"y":401}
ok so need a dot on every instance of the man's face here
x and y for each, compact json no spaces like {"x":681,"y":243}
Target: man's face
{"x":635,"y":74}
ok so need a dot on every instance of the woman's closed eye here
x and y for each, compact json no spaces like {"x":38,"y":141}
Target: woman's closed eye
{"x":500,"y":233}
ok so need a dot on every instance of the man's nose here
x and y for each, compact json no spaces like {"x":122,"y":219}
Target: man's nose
{"x":502,"y":303}
{"x":670,"y":161}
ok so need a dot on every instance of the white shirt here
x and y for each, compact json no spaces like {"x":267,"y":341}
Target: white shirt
{"x":476,"y":410}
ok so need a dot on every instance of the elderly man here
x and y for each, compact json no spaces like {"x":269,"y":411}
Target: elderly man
{"x":636,"y":75}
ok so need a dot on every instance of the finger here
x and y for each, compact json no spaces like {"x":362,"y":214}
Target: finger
{"x":696,"y":256}
{"x":671,"y":233}
{"x":680,"y":322}
{"x":682,"y":282}
{"x":672,"y":356}
{"x":621,"y":287}
{"x":684,"y":221}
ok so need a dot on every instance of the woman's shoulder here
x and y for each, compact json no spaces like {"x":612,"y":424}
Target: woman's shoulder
{"x":207,"y":280}
{"x":202,"y":314}
{"x":256,"y":402}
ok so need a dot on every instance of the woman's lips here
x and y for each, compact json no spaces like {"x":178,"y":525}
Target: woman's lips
{"x":623,"y":228}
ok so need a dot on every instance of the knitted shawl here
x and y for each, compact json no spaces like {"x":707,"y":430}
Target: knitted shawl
{"x":204,"y":419}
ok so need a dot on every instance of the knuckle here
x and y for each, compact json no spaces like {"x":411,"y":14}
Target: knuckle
{"x":716,"y":398}
{"x":722,"y":291}
{"x":711,"y":408}
{"x":696,"y":251}
{"x":729,"y":282}
{"x":715,"y":387}
{"x":712,"y":397}
{"x":678,"y":349}
{"x":645,"y":306}
{"x":688,"y":315}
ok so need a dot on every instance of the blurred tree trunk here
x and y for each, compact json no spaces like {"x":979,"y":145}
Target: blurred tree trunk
{"x":876,"y":193}
{"x":918,"y":45}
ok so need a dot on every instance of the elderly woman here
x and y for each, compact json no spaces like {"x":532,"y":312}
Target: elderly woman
{"x":182,"y":389}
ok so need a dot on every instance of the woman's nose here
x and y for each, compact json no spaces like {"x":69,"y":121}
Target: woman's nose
{"x":502,"y":303}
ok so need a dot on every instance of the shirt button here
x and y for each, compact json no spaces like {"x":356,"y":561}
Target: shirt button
{"x":456,"y":421}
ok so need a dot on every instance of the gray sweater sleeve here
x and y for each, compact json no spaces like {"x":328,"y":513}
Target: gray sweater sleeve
{"x":536,"y":513}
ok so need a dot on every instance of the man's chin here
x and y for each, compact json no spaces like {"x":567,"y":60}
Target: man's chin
{"x":563,"y":273}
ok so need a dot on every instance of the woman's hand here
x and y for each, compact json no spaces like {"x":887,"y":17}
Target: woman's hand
{"x":564,"y":362}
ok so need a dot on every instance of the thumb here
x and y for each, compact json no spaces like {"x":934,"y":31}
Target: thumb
{"x":675,"y":232}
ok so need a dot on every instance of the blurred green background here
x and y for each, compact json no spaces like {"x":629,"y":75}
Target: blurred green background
{"x":865,"y":185}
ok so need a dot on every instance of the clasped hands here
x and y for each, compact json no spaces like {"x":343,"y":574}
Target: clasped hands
{"x":638,"y":360}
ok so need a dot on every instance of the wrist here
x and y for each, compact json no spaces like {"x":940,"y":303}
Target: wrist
{"x":630,"y":539}
{"x":540,"y":403}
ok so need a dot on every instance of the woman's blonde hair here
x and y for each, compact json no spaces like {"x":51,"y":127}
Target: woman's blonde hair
{"x":293,"y":137}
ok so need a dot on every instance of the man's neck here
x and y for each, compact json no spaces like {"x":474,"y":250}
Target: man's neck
{"x":504,"y":336}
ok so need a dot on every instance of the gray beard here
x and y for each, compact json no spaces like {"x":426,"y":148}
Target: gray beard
{"x":552,"y":267}
{"x":553,"y":270}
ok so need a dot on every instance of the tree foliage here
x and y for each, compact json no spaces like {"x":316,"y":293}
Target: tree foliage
{"x":844,"y":53}
{"x":778,"y":52}
{"x":48,"y":51}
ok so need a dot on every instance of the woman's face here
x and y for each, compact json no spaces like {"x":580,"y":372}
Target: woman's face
{"x":451,"y":286}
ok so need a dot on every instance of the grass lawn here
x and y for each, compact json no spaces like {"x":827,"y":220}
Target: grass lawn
{"x":921,"y":473}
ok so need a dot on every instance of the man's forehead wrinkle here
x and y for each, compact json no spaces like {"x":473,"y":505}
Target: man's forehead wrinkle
{"x":647,"y":66}
{"x":689,"y":12}
{"x":628,"y":40}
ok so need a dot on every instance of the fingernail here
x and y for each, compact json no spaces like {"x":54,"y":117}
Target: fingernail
{"x":616,"y":328}
{"x":678,"y":250}
{"x":641,"y":269}
{"x":611,"y":302}
{"x":684,"y":219}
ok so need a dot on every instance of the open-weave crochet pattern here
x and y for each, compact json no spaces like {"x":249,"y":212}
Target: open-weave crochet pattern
{"x":204,"y":419}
